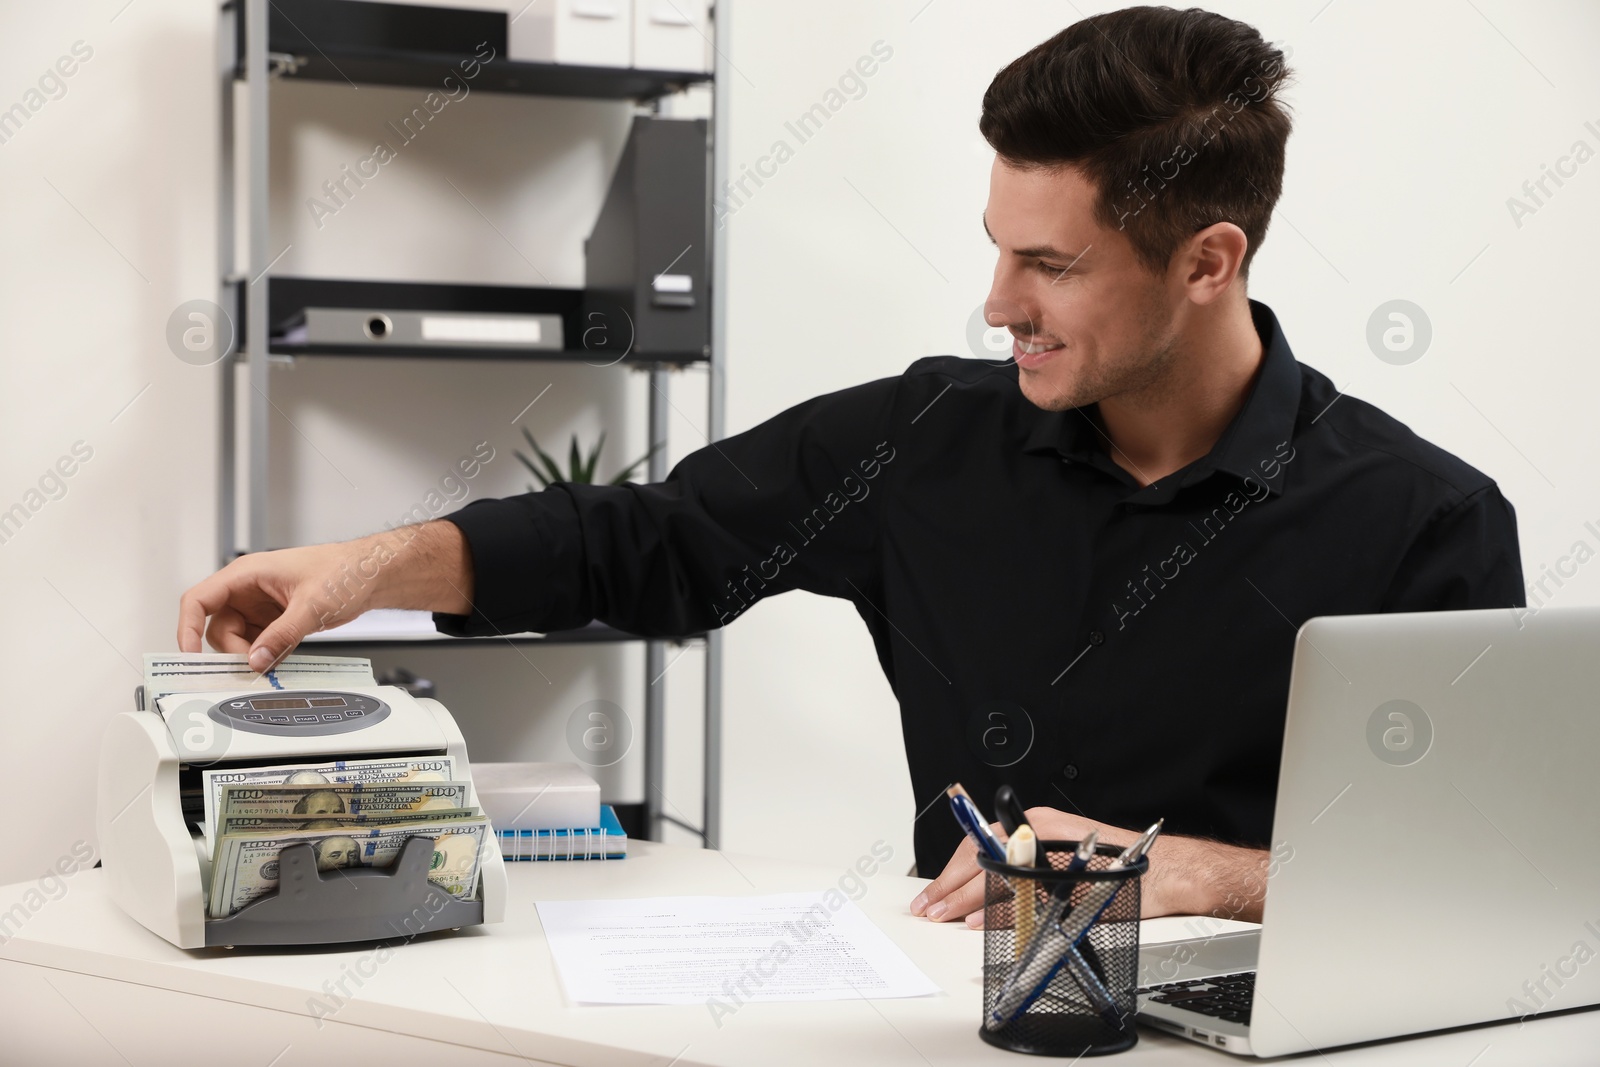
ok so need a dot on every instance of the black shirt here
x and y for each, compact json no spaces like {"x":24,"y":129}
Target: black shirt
{"x":1116,"y":651}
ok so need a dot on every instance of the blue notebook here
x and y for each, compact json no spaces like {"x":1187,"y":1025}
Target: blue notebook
{"x":604,"y":842}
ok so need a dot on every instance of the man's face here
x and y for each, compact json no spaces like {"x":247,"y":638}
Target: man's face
{"x":1088,"y":321}
{"x":320,"y":802}
{"x":335,"y":852}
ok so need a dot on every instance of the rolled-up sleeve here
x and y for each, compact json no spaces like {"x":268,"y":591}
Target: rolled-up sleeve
{"x":792,"y":503}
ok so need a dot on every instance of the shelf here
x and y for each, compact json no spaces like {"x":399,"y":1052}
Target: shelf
{"x":429,"y":70}
{"x":548,"y":355}
{"x":288,"y":297}
{"x":414,"y":628}
{"x":365,"y":43}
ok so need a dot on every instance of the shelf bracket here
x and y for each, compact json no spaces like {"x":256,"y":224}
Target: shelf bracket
{"x":281,"y":64}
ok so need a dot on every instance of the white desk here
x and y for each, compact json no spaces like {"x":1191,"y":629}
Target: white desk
{"x":81,"y":983}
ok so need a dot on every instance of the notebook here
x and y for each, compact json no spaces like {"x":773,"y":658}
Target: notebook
{"x":604,"y":842}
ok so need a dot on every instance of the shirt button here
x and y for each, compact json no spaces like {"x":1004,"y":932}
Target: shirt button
{"x":1070,"y":771}
{"x":1096,"y":637}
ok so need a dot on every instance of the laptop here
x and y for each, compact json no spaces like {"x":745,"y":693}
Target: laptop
{"x":1433,"y":861}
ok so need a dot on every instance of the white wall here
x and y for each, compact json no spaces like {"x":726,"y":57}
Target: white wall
{"x":105,"y":229}
{"x":1414,"y":124}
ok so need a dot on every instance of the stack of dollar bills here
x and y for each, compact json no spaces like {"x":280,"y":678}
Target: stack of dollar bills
{"x":353,"y":813}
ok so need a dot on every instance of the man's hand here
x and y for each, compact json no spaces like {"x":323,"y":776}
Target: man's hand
{"x":1187,"y":876}
{"x":265,"y":603}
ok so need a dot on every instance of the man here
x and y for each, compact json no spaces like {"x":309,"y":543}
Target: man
{"x":1083,"y":570}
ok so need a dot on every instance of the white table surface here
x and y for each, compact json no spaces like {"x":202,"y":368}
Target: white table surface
{"x":81,"y":983}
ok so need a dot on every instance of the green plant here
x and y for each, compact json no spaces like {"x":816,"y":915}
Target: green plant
{"x":581,"y":468}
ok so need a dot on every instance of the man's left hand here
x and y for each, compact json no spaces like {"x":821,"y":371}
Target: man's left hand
{"x":1187,"y":876}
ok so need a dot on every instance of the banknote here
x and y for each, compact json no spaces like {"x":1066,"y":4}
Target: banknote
{"x":242,"y":824}
{"x":247,"y":864}
{"x":345,"y":798}
{"x":211,"y":672}
{"x":330,"y":772}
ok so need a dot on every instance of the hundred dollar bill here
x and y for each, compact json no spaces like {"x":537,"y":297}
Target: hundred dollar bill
{"x":344,"y":798}
{"x":247,"y":865}
{"x":211,"y":672}
{"x":241,"y":824}
{"x":331,"y":772}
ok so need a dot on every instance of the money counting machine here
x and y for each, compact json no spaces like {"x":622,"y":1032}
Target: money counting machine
{"x":158,"y":861}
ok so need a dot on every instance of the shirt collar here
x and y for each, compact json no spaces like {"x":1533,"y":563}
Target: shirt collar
{"x":1245,"y":448}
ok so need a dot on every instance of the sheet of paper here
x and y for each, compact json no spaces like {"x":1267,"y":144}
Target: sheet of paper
{"x":382,"y":624}
{"x":724,"y":950}
{"x":391,"y":624}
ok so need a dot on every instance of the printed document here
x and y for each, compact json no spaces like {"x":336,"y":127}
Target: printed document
{"x":732,"y":950}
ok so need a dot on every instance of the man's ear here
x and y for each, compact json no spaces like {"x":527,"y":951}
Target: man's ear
{"x":1211,"y":260}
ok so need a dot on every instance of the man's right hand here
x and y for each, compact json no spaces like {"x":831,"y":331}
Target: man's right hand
{"x":265,"y":603}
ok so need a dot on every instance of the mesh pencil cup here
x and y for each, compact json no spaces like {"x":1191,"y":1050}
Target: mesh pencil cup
{"x":1061,"y":953}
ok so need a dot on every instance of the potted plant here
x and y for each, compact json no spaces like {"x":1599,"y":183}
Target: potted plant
{"x":581,"y":468}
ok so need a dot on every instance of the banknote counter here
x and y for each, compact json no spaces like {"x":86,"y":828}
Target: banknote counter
{"x":330,"y":746}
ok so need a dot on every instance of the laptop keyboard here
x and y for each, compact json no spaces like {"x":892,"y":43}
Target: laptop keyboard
{"x":1225,"y":997}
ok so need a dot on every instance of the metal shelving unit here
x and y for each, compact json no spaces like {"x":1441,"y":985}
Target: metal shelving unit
{"x":253,"y":52}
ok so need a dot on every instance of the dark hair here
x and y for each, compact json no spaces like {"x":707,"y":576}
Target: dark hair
{"x":1173,"y":115}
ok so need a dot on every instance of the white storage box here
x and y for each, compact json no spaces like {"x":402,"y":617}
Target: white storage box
{"x":589,"y":33}
{"x":537,"y":796}
{"x":672,"y":35}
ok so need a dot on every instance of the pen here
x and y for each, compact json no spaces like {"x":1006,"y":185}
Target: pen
{"x":1133,"y":852}
{"x":971,"y":821}
{"x":1080,"y":859}
{"x":1008,"y":809}
{"x":1060,"y":934}
{"x":1081,"y":961}
{"x":1083,"y":853}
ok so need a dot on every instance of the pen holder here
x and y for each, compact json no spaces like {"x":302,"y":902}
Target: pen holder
{"x":1044,"y":992}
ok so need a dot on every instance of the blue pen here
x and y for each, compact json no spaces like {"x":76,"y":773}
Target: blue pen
{"x":1085,"y":851}
{"x":971,"y":821}
{"x":1080,"y":859}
